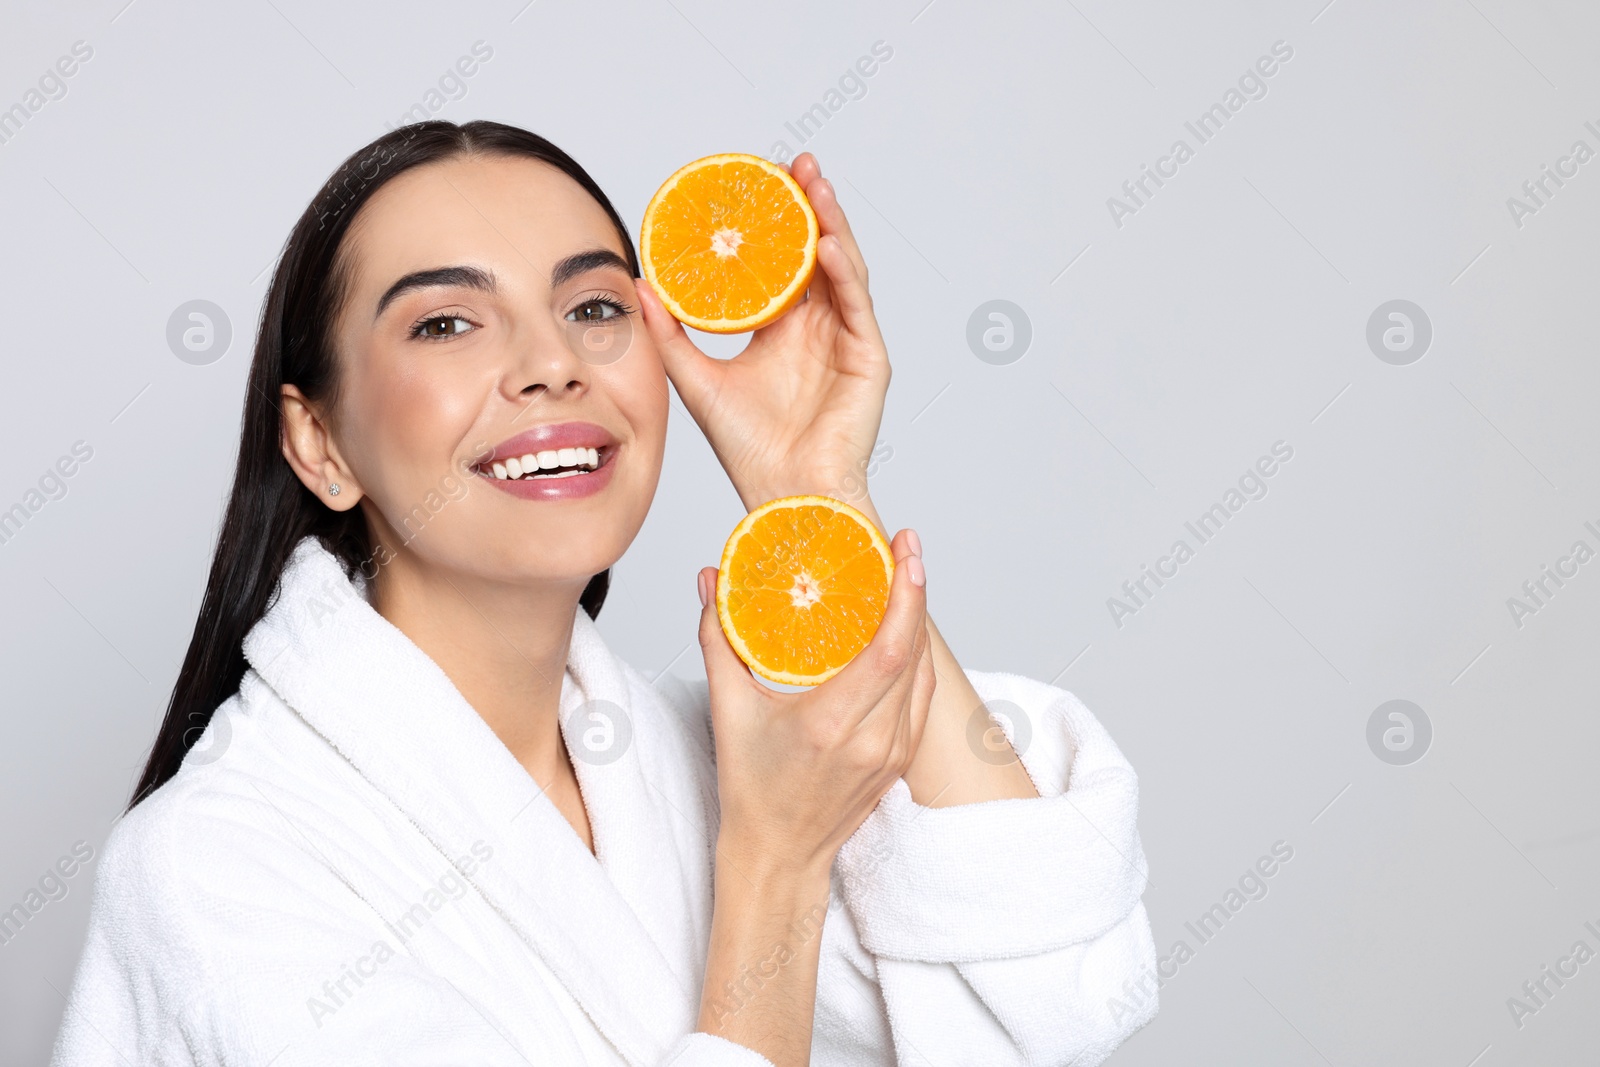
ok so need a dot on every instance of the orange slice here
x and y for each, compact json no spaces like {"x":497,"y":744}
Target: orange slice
{"x":803,"y":584}
{"x":729,"y":243}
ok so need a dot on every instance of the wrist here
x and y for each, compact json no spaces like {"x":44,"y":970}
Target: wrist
{"x":752,"y":499}
{"x":770,"y":873}
{"x":863,"y":504}
{"x":760,"y":982}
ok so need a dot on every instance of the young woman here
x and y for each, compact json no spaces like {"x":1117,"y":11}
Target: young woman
{"x":407,"y":808}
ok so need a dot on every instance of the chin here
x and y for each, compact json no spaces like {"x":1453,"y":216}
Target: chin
{"x":522,"y":565}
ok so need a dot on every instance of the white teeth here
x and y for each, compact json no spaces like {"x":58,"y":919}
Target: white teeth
{"x":532,"y":464}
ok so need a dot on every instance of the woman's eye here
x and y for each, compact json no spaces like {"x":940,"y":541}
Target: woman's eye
{"x":442,"y":326}
{"x":594,"y":311}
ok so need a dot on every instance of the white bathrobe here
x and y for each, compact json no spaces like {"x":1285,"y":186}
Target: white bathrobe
{"x":350,"y":868}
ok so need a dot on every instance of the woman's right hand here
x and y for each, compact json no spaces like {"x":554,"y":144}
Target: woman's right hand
{"x":797,"y":773}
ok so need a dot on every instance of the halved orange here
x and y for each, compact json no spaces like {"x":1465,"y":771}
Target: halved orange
{"x":729,"y":242}
{"x":803,"y":584}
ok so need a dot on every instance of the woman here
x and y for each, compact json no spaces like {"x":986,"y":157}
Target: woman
{"x":407,"y":808}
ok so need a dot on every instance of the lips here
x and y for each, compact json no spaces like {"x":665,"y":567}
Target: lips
{"x":554,"y":462}
{"x":553,"y":437}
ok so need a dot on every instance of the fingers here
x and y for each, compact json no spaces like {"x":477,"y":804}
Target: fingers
{"x":912,"y":707}
{"x":844,"y":268}
{"x":846,"y":288}
{"x":830,"y":213}
{"x":819,"y":291}
{"x":804,"y":168}
{"x":888,"y":662}
{"x":695,"y":375}
{"x":922,"y":693}
{"x":917,"y":700}
{"x":725,"y":671}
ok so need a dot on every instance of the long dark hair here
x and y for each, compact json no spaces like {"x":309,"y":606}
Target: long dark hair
{"x":269,"y":510}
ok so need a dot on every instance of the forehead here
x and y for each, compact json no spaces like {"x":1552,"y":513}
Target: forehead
{"x":511,"y":214}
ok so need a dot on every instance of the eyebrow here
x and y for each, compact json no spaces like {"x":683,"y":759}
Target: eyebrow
{"x":475,"y":278}
{"x":583,"y":262}
{"x":467,"y":277}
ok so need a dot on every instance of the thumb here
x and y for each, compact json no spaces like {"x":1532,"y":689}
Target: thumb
{"x":695,"y":375}
{"x":891,"y":656}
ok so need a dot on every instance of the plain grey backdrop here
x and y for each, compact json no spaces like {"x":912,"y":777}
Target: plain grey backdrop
{"x":1158,"y":341}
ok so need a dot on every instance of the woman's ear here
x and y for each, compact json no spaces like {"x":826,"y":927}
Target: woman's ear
{"x":311,"y":452}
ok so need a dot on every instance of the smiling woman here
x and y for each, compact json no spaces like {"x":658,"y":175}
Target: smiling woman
{"x":644,"y":867}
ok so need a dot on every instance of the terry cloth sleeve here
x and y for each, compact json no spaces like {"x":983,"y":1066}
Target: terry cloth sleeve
{"x":204,"y":952}
{"x":1003,"y":932}
{"x":214,"y":942}
{"x":709,"y":1050}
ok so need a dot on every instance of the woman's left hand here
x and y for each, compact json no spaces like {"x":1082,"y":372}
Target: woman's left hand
{"x":797,"y":411}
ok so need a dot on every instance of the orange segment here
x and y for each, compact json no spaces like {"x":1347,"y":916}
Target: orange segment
{"x":803,"y":584}
{"x":729,"y":243}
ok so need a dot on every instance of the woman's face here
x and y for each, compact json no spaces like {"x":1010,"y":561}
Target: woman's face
{"x":490,"y":316}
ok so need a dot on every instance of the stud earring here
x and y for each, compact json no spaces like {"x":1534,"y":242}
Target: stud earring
{"x":333,"y":490}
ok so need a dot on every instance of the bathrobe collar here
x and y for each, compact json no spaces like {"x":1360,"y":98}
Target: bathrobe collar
{"x":384,"y":705}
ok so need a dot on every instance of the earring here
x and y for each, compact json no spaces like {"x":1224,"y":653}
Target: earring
{"x":333,"y":490}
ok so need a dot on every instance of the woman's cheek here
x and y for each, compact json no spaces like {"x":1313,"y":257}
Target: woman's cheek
{"x":408,"y":427}
{"x":425,"y":406}
{"x":650,"y":389}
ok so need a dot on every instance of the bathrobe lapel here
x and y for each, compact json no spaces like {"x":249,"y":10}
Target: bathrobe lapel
{"x":397,"y":718}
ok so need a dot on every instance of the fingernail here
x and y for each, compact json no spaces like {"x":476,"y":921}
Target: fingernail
{"x":700,"y":584}
{"x":914,"y":570}
{"x":914,"y":541}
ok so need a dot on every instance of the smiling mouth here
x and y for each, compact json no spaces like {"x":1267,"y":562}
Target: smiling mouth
{"x":550,"y":463}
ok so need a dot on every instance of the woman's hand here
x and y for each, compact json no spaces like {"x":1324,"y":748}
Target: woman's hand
{"x":797,"y":773}
{"x":798,"y":410}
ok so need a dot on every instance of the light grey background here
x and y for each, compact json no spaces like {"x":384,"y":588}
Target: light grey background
{"x":1167,"y":354}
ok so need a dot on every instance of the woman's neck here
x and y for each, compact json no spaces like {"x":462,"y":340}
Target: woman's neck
{"x":503,"y":646}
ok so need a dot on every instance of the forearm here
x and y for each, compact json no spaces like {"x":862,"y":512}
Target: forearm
{"x":963,"y":758}
{"x":761,"y":965}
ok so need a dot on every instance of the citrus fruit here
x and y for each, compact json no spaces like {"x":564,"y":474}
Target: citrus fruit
{"x":803,"y":584}
{"x":729,"y":243}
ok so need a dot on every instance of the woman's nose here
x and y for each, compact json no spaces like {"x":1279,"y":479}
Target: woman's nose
{"x":543,"y":361}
